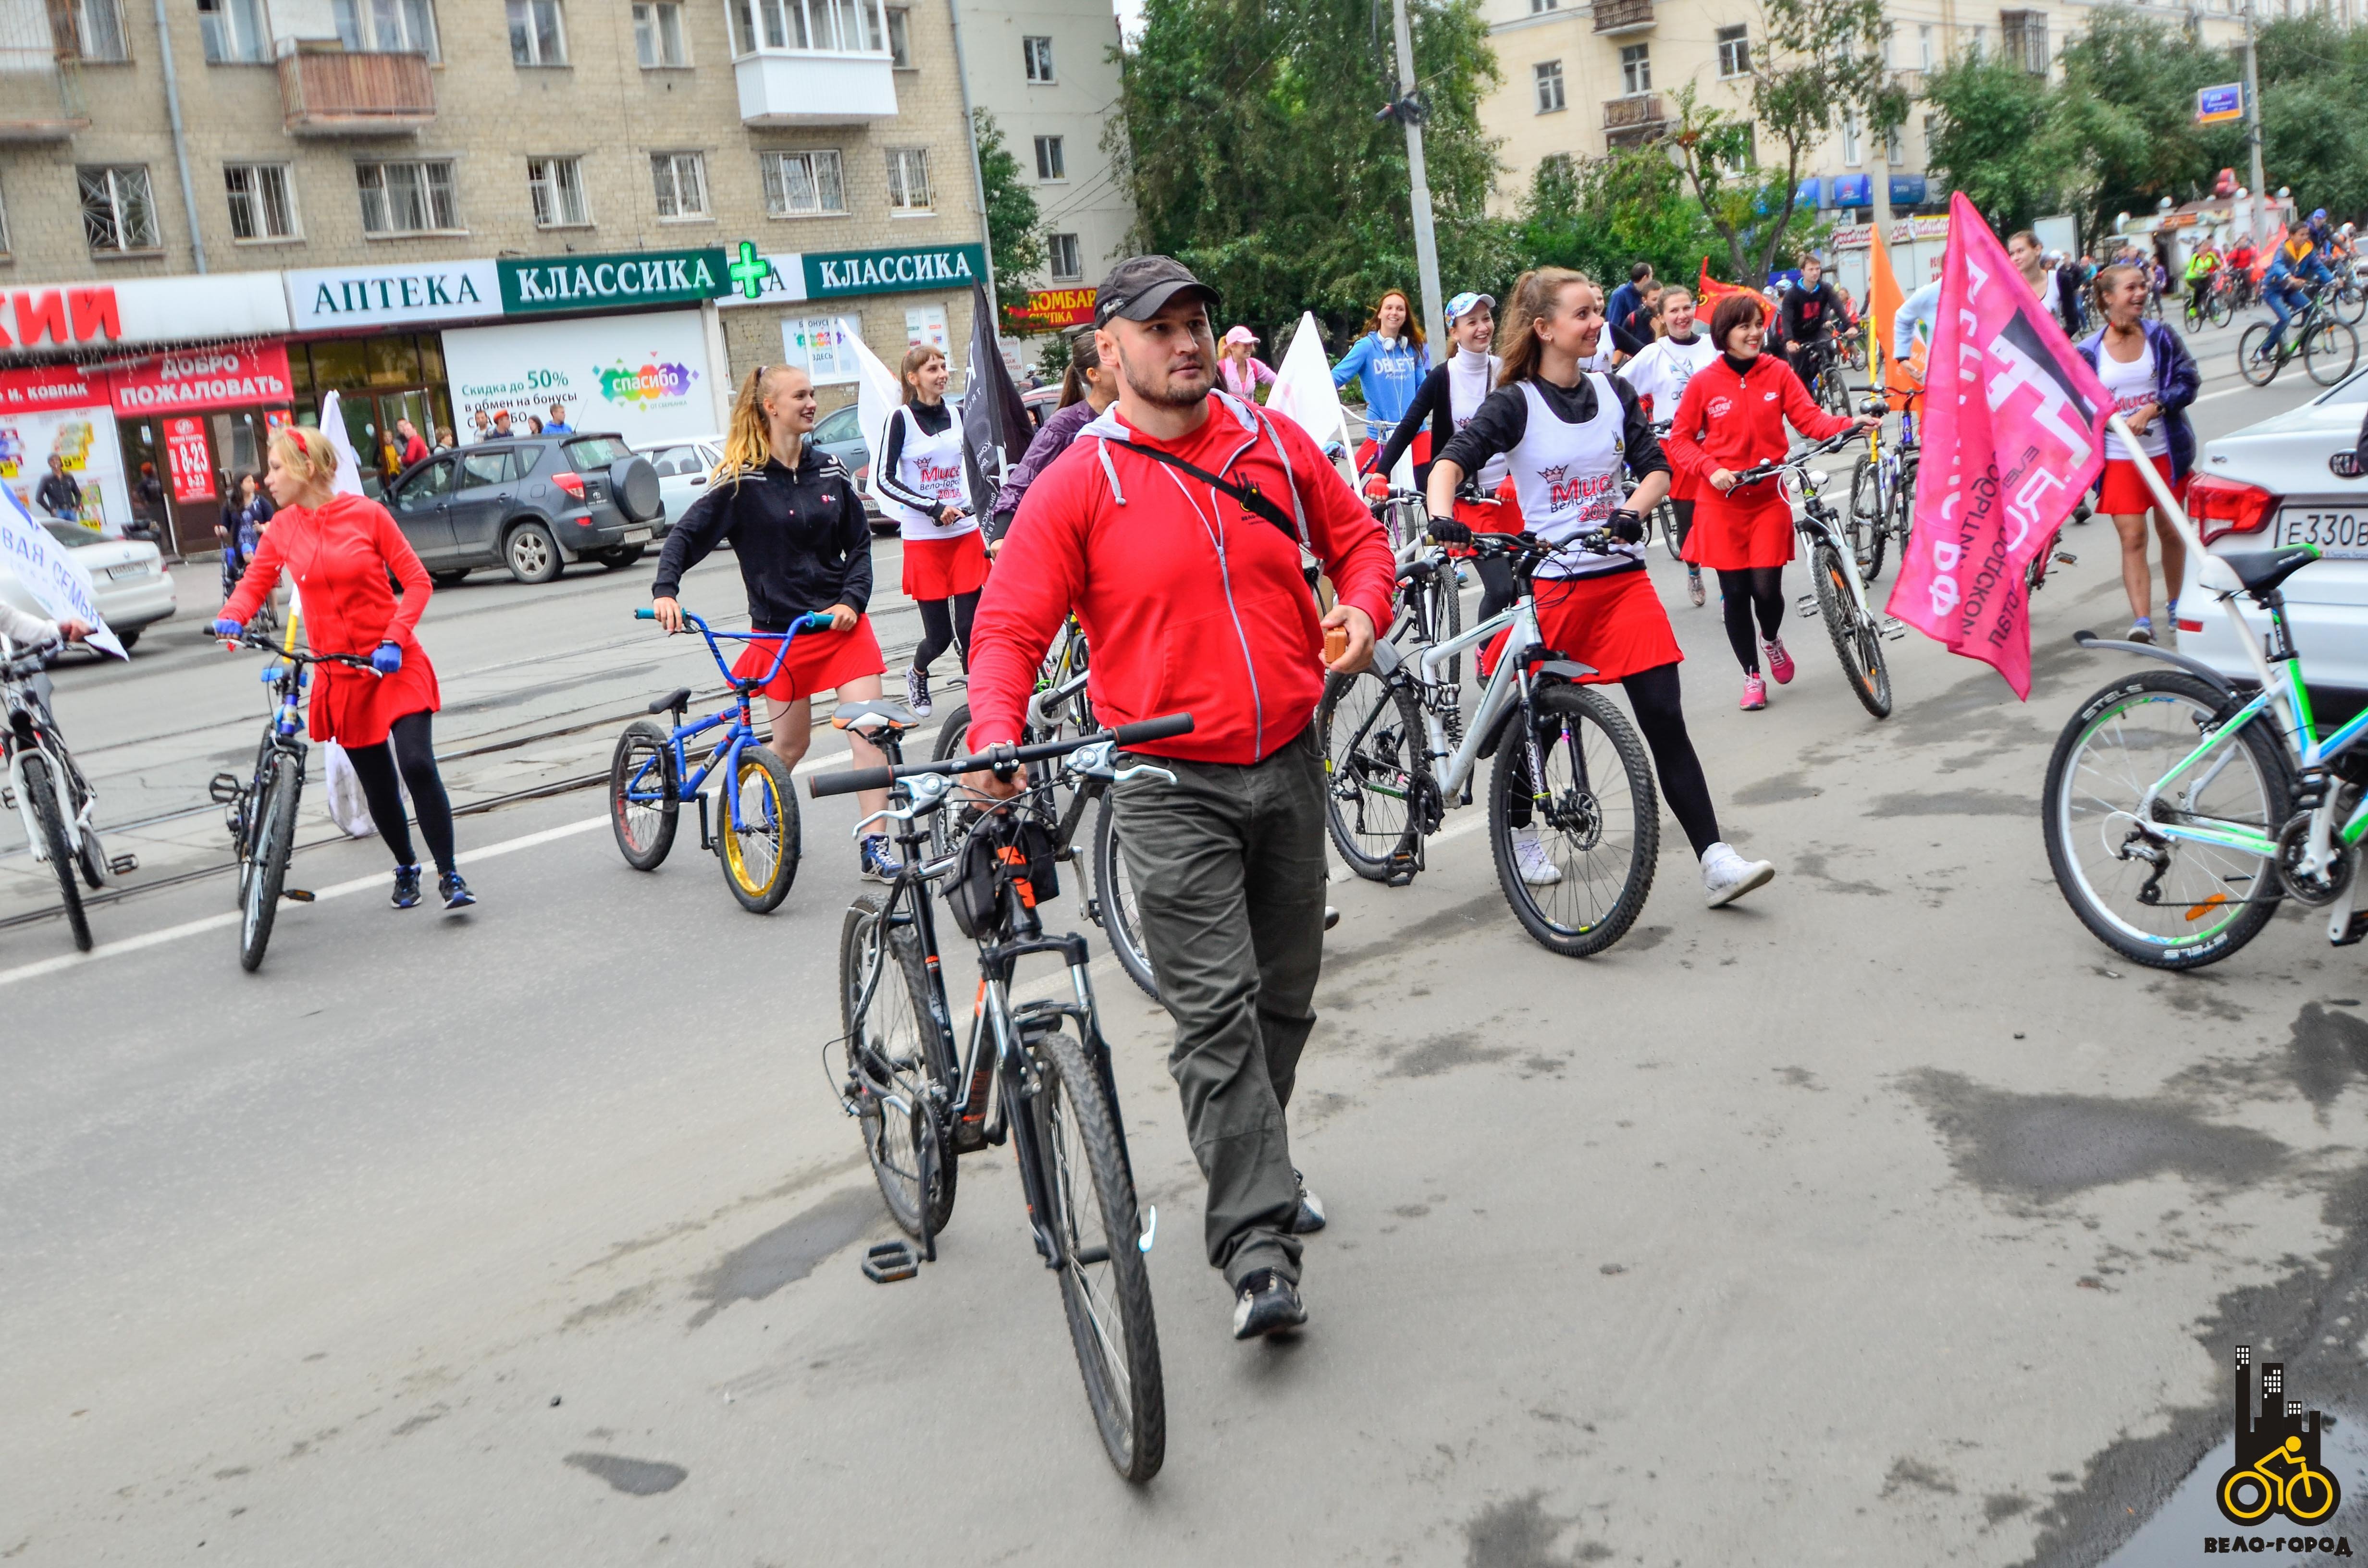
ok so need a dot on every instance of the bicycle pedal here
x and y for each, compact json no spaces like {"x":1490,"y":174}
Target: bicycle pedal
{"x":2353,"y":932}
{"x":224,"y":788}
{"x":1806,"y":607}
{"x":886,"y":1262}
{"x":1893,"y":628}
{"x":2065,"y":558}
{"x":296,"y":895}
{"x":123,"y":865}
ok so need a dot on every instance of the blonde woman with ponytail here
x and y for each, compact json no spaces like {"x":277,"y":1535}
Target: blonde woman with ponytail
{"x":797,"y":527}
{"x":343,"y":550}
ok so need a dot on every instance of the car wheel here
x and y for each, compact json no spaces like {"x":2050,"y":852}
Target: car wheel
{"x":619,"y":557}
{"x":448,"y":579}
{"x":129,"y":638}
{"x":531,"y":554}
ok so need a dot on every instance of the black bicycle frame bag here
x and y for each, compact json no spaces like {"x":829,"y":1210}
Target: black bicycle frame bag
{"x":1021,"y":853}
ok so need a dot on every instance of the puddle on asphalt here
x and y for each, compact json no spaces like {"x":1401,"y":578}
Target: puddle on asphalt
{"x":2177,"y":1532}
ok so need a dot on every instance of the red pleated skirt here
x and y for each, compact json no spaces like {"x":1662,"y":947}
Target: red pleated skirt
{"x":943,"y":568}
{"x":817,"y":661}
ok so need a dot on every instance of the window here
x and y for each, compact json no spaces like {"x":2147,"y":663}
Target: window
{"x":1049,"y":162}
{"x":406,"y":199}
{"x":557,"y":186}
{"x":657,"y":35}
{"x":489,"y":468}
{"x":387,"y":26}
{"x":1549,"y":77}
{"x":231,"y":31}
{"x":1924,"y":46}
{"x":1895,"y":145}
{"x":426,"y":485}
{"x":1981,"y":41}
{"x":99,"y":30}
{"x":840,"y":26}
{"x":262,"y":204}
{"x":900,"y":38}
{"x":118,"y":214}
{"x":1068,"y":256}
{"x":1850,"y":137}
{"x":2024,"y":39}
{"x":1037,"y":52}
{"x":537,"y":35}
{"x":5,"y":246}
{"x":682,"y":181}
{"x":824,"y":348}
{"x":1735,"y":52}
{"x":799,"y":183}
{"x":1636,"y":68}
{"x":1538,"y":7}
{"x":1746,"y":157}
{"x":908,"y":179}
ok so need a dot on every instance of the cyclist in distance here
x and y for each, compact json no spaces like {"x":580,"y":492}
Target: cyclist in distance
{"x":1174,"y":529}
{"x":1567,"y":433}
{"x":2151,"y":376}
{"x":345,"y":552}
{"x":1389,"y":360}
{"x":1087,"y":389}
{"x":1732,"y":417}
{"x":798,"y":530}
{"x":2281,"y":292}
{"x":1659,"y":374}
{"x":1809,"y":311}
{"x":923,"y":488}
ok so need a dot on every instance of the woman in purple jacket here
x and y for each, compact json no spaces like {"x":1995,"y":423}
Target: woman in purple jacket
{"x":1085,"y":390}
{"x":2152,"y":379}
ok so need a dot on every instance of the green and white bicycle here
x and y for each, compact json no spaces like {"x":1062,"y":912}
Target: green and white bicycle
{"x":2181,"y":808}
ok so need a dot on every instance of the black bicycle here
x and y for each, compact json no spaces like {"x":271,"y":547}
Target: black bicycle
{"x":1819,"y":364}
{"x":48,"y":790}
{"x":1035,"y":1073}
{"x":2327,"y":346}
{"x":261,"y":812}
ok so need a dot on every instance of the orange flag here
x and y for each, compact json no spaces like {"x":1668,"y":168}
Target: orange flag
{"x":1883,"y":299}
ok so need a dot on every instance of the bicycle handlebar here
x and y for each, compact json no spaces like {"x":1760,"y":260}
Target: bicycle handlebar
{"x":300,"y":656}
{"x":1759,"y":473}
{"x":804,"y":624}
{"x":1003,"y":761}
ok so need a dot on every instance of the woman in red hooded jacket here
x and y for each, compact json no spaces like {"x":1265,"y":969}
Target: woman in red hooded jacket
{"x":341,"y":550}
{"x":1732,"y":417}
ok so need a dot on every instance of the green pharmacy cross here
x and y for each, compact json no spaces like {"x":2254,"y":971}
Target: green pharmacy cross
{"x":750,"y":272}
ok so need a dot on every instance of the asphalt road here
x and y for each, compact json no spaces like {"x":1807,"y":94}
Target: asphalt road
{"x":1885,"y":1218}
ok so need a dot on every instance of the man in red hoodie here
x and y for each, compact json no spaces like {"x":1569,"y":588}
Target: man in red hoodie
{"x":1193,"y":600}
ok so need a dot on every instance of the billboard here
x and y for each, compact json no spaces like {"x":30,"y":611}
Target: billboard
{"x":2218,"y":106}
{"x":644,"y":377}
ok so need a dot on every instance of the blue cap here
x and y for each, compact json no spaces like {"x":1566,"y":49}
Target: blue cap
{"x":1464,"y":304}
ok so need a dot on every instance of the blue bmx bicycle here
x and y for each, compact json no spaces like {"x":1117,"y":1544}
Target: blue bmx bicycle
{"x":650,"y":777}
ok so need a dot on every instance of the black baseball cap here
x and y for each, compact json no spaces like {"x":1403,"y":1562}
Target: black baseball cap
{"x":1139,"y":287}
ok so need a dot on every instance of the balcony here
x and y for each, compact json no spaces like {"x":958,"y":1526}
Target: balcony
{"x":1633,"y":120}
{"x":356,"y":93}
{"x":1615,"y":17}
{"x":41,"y":80}
{"x":813,"y":61}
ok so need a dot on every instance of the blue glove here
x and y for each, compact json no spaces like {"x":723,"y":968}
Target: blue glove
{"x":230,"y":628}
{"x":388,"y":659}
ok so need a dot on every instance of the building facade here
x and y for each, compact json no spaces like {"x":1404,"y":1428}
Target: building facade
{"x":618,"y":208}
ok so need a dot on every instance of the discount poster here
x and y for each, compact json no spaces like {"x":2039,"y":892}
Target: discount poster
{"x":642,"y":377}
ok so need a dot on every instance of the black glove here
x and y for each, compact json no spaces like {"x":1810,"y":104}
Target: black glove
{"x":1626,"y":526}
{"x":1447,"y":530}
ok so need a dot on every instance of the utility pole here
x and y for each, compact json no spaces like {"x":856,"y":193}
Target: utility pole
{"x":2253,"y":132}
{"x":1426,"y":245}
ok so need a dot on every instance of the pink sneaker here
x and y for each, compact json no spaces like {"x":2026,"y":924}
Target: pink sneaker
{"x":1780,"y":663}
{"x":1755,"y":694}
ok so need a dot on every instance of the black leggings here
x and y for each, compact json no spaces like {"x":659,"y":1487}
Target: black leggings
{"x":1496,"y":586}
{"x":944,"y":622}
{"x":1685,"y":525}
{"x":1659,"y":706}
{"x":1740,"y":593}
{"x":408,"y":748}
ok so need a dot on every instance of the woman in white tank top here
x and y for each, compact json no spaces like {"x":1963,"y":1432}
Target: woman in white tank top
{"x":923,"y":487}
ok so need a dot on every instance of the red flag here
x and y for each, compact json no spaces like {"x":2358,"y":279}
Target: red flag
{"x":1711,"y":288}
{"x":2002,"y":470}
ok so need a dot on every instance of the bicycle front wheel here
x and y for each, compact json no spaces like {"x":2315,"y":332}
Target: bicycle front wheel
{"x":2349,"y":303}
{"x":42,"y":794}
{"x":1575,"y":853}
{"x":2257,"y":354}
{"x":2164,"y":903}
{"x":894,"y":1059}
{"x":1375,"y":772}
{"x":1667,"y":514}
{"x":1856,"y":644}
{"x":1447,"y":616}
{"x":2219,"y":308}
{"x":1105,"y":1280}
{"x":1866,"y":520}
{"x":759,"y":841}
{"x":1114,"y":903}
{"x":642,"y":810}
{"x":266,"y":873}
{"x":2329,"y":352}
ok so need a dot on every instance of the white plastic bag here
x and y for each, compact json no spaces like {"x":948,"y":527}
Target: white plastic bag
{"x":348,"y":807}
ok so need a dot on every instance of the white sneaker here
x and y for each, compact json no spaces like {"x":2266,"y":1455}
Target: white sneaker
{"x":1537,"y":866}
{"x":1727,"y":875}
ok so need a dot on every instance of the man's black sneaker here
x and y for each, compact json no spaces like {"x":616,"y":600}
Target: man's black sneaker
{"x":1266,"y":1304}
{"x":456,"y":891}
{"x":1309,"y":1219}
{"x":407,"y":888}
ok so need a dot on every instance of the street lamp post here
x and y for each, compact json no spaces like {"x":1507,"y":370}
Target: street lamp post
{"x":1426,"y":245}
{"x":2253,"y":131}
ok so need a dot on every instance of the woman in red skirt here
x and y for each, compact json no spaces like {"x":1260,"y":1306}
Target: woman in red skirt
{"x":1567,"y":435}
{"x":922,"y":487}
{"x":1731,"y":418}
{"x":797,"y":528}
{"x":342,"y":550}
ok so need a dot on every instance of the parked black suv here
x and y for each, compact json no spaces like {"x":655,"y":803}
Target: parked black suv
{"x":530,"y":503}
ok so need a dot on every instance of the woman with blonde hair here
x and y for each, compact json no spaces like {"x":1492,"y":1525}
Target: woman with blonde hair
{"x":923,"y":487}
{"x":343,"y":550}
{"x":798,"y":530}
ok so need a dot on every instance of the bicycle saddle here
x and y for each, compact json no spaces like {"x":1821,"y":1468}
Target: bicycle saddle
{"x":2262,"y":570}
{"x":674,"y":701}
{"x":873,"y":715}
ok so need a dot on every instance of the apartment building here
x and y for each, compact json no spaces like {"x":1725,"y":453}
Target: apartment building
{"x":446,"y":209}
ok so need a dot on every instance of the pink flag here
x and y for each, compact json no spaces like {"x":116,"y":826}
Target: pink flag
{"x":2014,"y":434}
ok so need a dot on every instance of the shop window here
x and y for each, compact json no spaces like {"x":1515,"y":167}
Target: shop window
{"x":262,"y":202}
{"x":822,"y":348}
{"x":538,"y":33}
{"x":556,"y":187}
{"x":119,"y":215}
{"x":800,"y":185}
{"x":682,"y":182}
{"x":657,"y":35}
{"x":1549,"y":81}
{"x":407,"y":198}
{"x":900,"y":37}
{"x":1068,"y":258}
{"x":387,"y":26}
{"x":1049,"y":165}
{"x":1735,"y":52}
{"x":232,"y":32}
{"x":98,"y":30}
{"x":1036,"y":53}
{"x":908,"y":179}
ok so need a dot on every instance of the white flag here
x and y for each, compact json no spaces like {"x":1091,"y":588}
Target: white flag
{"x":1302,"y":389}
{"x":349,"y":466}
{"x":49,"y":571}
{"x":878,"y":397}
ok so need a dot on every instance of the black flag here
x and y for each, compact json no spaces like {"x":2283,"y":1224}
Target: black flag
{"x":995,"y":427}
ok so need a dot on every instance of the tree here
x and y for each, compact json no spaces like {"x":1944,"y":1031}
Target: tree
{"x":1996,"y":133}
{"x":2128,"y":101}
{"x":1822,"y":60}
{"x":1600,"y":215}
{"x":1247,"y":140}
{"x":1013,"y":238}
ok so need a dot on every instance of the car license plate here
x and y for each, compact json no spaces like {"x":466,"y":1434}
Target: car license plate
{"x":637,"y":536}
{"x":134,"y":569}
{"x":2338,"y":532}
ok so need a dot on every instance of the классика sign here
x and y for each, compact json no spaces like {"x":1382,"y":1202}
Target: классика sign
{"x":611,"y":282}
{"x":786,"y":277}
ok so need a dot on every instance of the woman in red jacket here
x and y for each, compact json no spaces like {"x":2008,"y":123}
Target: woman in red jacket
{"x":1731,"y":418}
{"x":341,"y":550}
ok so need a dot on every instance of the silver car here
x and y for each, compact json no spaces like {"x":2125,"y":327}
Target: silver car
{"x":682,"y":469}
{"x":127,"y":580}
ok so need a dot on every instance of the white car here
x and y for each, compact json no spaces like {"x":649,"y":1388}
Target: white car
{"x":127,"y":577}
{"x":2289,"y":480}
{"x":683,"y":468}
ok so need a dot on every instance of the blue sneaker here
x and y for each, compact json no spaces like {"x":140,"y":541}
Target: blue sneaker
{"x":878,"y":865}
{"x":2142,"y":630}
{"x":456,"y":891}
{"x":407,"y":888}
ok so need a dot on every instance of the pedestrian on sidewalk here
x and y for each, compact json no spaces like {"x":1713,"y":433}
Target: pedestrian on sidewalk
{"x":2152,"y":377}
